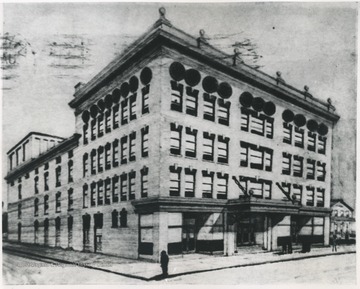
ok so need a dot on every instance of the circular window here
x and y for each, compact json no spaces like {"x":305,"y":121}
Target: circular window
{"x":246,"y":99}
{"x":192,"y":77}
{"x":224,"y":90}
{"x":146,"y":76}
{"x":134,"y":83}
{"x":210,"y":84}
{"x":177,"y":71}
{"x":312,"y":125}
{"x":299,"y":120}
{"x":85,"y":116}
{"x":269,"y":108}
{"x":124,"y":89}
{"x":288,"y":115}
{"x":258,"y":103}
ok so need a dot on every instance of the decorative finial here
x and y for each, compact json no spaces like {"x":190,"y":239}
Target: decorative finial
{"x":330,"y":106}
{"x":202,"y":38}
{"x":162,"y":12}
{"x":279,"y":79}
{"x":162,"y":19}
{"x":202,"y":33}
{"x":306,"y":88}
{"x":306,"y":92}
{"x":236,"y":56}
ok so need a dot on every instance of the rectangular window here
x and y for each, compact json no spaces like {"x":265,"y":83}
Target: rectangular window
{"x":177,"y":91}
{"x":124,"y":149}
{"x":257,"y":125}
{"x":297,"y":192}
{"x":209,"y":107}
{"x":311,"y":141}
{"x":36,"y":184}
{"x":191,"y":101}
{"x":223,"y":111}
{"x":190,"y":142}
{"x":145,"y":141}
{"x":208,"y":146}
{"x":286,"y":164}
{"x":85,"y":133}
{"x":222,"y":186}
{"x":123,"y":186}
{"x":268,"y":155}
{"x":70,"y":171}
{"x":107,"y":191}
{"x":100,"y":193}
{"x":93,"y":129}
{"x":175,"y":139}
{"x":244,"y":154}
{"x":58,"y":160}
{"x":298,"y":166}
{"x":58,"y":202}
{"x":115,"y":116}
{"x":19,"y":211}
{"x":245,"y":119}
{"x":299,"y":137}
{"x":132,"y":140}
{"x":70,"y":199}
{"x":100,"y":159}
{"x":223,"y":149}
{"x":287,"y":132}
{"x":269,"y":127}
{"x":207,"y":184}
{"x":93,"y":194}
{"x":321,"y":145}
{"x":124,"y":112}
{"x":175,"y":180}
{"x":115,"y":189}
{"x":85,"y":165}
{"x":19,"y":192}
{"x":100,"y":120}
{"x":320,"y":194}
{"x":46,"y":181}
{"x":321,"y":171}
{"x":310,"y":196}
{"x":85,"y":196}
{"x":58,"y":176}
{"x":258,"y":188}
{"x":46,"y":205}
{"x":310,"y":169}
{"x":133,"y":107}
{"x":115,"y":156}
{"x":144,"y":182}
{"x":190,"y":177}
{"x":36,"y":207}
{"x":145,"y":99}
{"x":132,"y":176}
{"x":93,"y":162}
{"x":108,"y":121}
{"x":108,"y":156}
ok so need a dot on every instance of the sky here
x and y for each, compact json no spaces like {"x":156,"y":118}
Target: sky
{"x":312,"y":44}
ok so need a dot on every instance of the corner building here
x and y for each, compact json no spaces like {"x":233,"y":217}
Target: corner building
{"x":179,"y":148}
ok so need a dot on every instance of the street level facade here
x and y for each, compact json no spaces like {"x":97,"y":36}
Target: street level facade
{"x":178,"y":147}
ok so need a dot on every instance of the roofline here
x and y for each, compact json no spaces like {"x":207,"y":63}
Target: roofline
{"x":35,"y":133}
{"x":27,"y":166}
{"x":335,"y":201}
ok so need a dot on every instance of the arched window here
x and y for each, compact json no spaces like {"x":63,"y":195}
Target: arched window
{"x":123,"y":218}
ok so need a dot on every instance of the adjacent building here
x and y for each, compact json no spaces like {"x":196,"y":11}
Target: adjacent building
{"x":342,"y":220}
{"x":179,"y":147}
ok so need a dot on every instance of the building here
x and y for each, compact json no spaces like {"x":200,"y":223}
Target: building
{"x":180,"y":147}
{"x":342,"y":220}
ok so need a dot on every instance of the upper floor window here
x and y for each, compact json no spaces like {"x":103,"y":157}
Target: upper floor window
{"x":46,"y":204}
{"x":223,"y":111}
{"x":259,"y":188}
{"x":132,"y":140}
{"x":115,"y":153}
{"x":286,"y":164}
{"x":70,"y":199}
{"x":320,"y":194}
{"x":207,"y":184}
{"x":144,"y":182}
{"x":321,"y":171}
{"x":93,"y":194}
{"x":58,"y":176}
{"x":114,"y":218}
{"x":256,"y":123}
{"x":222,"y":186}
{"x":70,"y":171}
{"x":287,"y":132}
{"x":93,"y":161}
{"x":223,"y":149}
{"x":124,"y":112}
{"x":19,"y":192}
{"x":175,"y":180}
{"x":190,"y":177}
{"x":208,"y":146}
{"x":85,"y":196}
{"x":132,"y":176}
{"x":115,"y":189}
{"x":322,"y":145}
{"x":100,"y":125}
{"x":58,"y":160}
{"x":115,"y":116}
{"x":124,"y":149}
{"x":209,"y":107}
{"x":259,"y":157}
{"x":85,"y":133}
{"x":108,"y":156}
{"x":310,"y":195}
{"x":36,"y":207}
{"x":145,"y":99}
{"x":100,"y":153}
{"x":145,"y":141}
{"x":108,"y":120}
{"x":191,"y":101}
{"x":299,"y":137}
{"x":100,"y":193}
{"x":36,"y":185}
{"x":93,"y":128}
{"x":177,"y":91}
{"x":19,"y":211}
{"x":310,"y":169}
{"x":190,"y":142}
{"x":123,"y":186}
{"x":85,"y":164}
{"x":133,"y":107}
{"x":107,"y":191}
{"x":311,"y":141}
{"x":298,"y":166}
{"x":58,"y":202}
{"x":175,"y":138}
{"x":46,"y":181}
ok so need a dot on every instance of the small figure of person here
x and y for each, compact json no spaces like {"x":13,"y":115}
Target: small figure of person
{"x":334,"y":241}
{"x":164,"y":262}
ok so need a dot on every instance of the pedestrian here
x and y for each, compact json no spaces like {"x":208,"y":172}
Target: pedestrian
{"x":334,"y":241}
{"x":164,"y":262}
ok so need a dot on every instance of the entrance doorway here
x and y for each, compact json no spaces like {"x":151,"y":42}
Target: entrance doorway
{"x":189,"y":235}
{"x":98,"y":224}
{"x":86,"y":236}
{"x":246,"y":231}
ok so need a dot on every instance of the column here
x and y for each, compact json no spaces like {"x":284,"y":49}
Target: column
{"x":326,"y":230}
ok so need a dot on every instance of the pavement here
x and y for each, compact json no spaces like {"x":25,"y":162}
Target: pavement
{"x":179,"y":265}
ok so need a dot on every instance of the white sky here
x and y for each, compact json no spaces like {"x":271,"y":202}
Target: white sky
{"x":312,"y":44}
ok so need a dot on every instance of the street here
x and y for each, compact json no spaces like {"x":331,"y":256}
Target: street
{"x":338,"y":269}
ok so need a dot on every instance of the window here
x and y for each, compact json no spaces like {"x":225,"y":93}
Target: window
{"x":115,"y":153}
{"x":223,"y":149}
{"x":85,"y":164}
{"x":108,"y":121}
{"x":123,"y":218}
{"x":19,"y":211}
{"x":116,"y":116}
{"x":145,"y":141}
{"x":208,"y":146}
{"x":85,"y":196}
{"x":224,"y":111}
{"x":19,"y":192}
{"x":85,"y":133}
{"x":190,"y":142}
{"x":132,"y":176}
{"x":93,"y":129}
{"x":100,"y":152}
{"x":58,"y":202}
{"x":321,"y":145}
{"x":46,"y":181}
{"x":245,"y":119}
{"x":209,"y":107}
{"x":93,"y":162}
{"x":36,"y":185}
{"x":124,"y":149}
{"x":70,"y":199}
{"x":175,"y":180}
{"x":175,"y":139}
{"x":132,"y":140}
{"x":58,"y":176}
{"x":123,"y":186}
{"x":297,"y":192}
{"x":258,"y":188}
{"x":145,"y":99}
{"x":320,"y":193}
{"x":100,"y":193}
{"x":124,"y":112}
{"x":36,"y":207}
{"x":191,"y":101}
{"x":310,"y":168}
{"x":176,"y":96}
{"x":287,"y":132}
{"x":222,"y":186}
{"x":93,"y":194}
{"x":311,"y":141}
{"x":133,"y":107}
{"x":207,"y":184}
{"x":259,"y":124}
{"x":115,"y":189}
{"x":299,"y":137}
{"x":46,"y":204}
{"x":107,"y":191}
{"x":190,"y":177}
{"x":27,"y":175}
{"x":70,"y":171}
{"x":70,"y":154}
{"x":298,"y":166}
{"x":58,"y":161}
{"x":260,"y":157}
{"x":144,"y":182}
{"x":256,"y":159}
{"x":114,"y":219}
{"x":286,"y":164}
{"x":100,"y":120}
{"x":310,"y":196}
{"x":321,"y":171}
{"x":108,"y":156}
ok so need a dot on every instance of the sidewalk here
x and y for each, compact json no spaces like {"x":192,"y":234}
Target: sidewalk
{"x":179,"y":265}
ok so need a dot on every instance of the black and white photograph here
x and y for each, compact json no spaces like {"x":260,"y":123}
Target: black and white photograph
{"x":172,"y":143}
